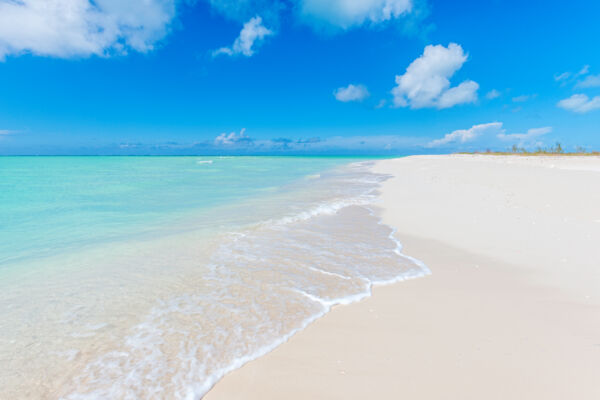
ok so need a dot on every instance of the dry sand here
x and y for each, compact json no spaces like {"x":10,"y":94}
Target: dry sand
{"x":511,"y":311}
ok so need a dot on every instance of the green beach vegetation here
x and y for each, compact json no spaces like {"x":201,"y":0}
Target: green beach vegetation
{"x":556,"y":150}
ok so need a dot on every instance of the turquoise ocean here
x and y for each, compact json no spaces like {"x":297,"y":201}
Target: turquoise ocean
{"x":152,"y":277}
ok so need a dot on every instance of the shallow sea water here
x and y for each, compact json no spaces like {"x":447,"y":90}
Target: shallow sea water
{"x":144,"y":277}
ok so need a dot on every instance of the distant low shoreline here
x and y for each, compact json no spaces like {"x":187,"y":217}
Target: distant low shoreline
{"x":533,"y":153}
{"x":555,"y":150}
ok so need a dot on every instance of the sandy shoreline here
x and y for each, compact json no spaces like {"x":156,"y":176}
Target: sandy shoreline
{"x":512,"y":309}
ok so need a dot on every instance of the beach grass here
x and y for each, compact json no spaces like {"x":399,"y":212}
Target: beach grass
{"x":556,"y":150}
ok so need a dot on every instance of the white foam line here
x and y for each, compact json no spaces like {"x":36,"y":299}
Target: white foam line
{"x":200,"y":391}
{"x":398,"y":250}
{"x":323,"y":209}
{"x":326,"y":304}
{"x":329,"y":273}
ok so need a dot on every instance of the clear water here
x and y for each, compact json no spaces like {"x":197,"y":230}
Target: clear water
{"x":51,"y":204}
{"x":146,"y":277}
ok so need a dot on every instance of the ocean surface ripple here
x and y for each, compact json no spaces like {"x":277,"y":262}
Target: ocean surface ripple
{"x":167,"y":310}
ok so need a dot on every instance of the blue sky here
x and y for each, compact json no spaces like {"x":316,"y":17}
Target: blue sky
{"x":297,"y":76}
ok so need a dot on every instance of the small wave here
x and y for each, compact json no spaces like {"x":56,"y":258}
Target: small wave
{"x":260,"y":286}
{"x":328,"y":304}
{"x":322,"y":209}
{"x":322,"y":271}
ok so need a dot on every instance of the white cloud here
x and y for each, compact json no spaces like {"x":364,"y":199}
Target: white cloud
{"x":351,"y":93}
{"x":589,"y":82}
{"x":580,"y":103}
{"x":525,"y":138}
{"x":348,"y":13}
{"x":492,"y":94}
{"x":252,"y":33}
{"x":426,"y":80}
{"x":336,"y":14}
{"x":80,"y":28}
{"x":487,"y":133}
{"x":467,"y":135}
{"x":466,"y":92}
{"x":229,"y":139}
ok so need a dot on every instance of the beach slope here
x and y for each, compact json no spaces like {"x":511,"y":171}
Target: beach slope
{"x":511,"y":310}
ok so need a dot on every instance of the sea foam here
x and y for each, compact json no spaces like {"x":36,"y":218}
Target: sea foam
{"x":168,"y":316}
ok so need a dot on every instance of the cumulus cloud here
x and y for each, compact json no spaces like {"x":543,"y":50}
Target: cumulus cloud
{"x":466,"y":92}
{"x":252,"y":33}
{"x":351,"y":93}
{"x":467,"y":135}
{"x":233,"y":138}
{"x":336,"y":14}
{"x":580,"y":103}
{"x":525,"y":138}
{"x":326,"y":14}
{"x":490,"y":134}
{"x":80,"y":28}
{"x":348,"y":13}
{"x":240,"y":143}
{"x":426,"y":82}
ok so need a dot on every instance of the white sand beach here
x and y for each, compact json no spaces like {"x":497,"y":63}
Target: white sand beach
{"x":510,"y":311}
